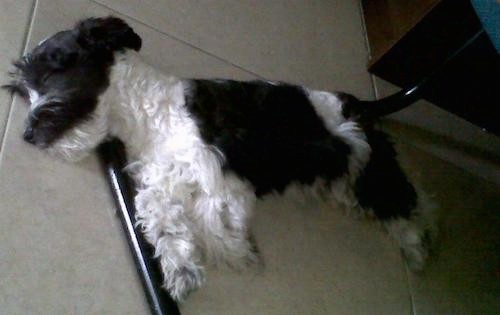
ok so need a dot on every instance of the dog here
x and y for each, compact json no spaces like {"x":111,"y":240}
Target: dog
{"x":202,"y":151}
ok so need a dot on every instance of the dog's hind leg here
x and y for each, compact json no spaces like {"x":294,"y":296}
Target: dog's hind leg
{"x":416,"y":233}
{"x":167,"y":228}
{"x":383,"y":187}
{"x":223,"y":220}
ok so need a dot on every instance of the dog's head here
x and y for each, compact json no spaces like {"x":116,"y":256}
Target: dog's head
{"x":62,"y":79}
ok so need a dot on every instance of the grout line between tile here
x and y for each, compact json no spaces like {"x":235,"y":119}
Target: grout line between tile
{"x":367,"y":47}
{"x":24,"y":46}
{"x":363,"y":26}
{"x":374,"y":86}
{"x":178,"y":39}
{"x":410,"y":290}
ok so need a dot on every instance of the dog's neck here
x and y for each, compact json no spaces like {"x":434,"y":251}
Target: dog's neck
{"x":145,"y":106}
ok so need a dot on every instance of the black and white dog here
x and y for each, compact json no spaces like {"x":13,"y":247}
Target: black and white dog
{"x":201,"y":151}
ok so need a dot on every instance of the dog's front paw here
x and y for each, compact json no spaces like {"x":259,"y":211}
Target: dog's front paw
{"x":417,"y":252}
{"x":180,"y":282}
{"x":415,"y":255}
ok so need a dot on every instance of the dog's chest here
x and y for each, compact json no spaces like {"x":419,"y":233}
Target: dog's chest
{"x":177,"y":160}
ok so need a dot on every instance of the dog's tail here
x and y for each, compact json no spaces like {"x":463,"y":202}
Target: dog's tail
{"x":371,"y":110}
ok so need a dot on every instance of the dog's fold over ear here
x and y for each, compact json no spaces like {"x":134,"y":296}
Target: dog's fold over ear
{"x":107,"y":34}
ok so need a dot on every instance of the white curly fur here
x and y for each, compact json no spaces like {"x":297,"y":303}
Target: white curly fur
{"x":329,"y":108}
{"x":188,"y":208}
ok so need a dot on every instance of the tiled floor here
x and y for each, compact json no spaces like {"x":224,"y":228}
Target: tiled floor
{"x":61,"y":247}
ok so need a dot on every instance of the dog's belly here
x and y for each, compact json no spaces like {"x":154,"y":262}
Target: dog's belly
{"x":270,"y":134}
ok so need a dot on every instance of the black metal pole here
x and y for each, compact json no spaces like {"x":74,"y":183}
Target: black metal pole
{"x":112,"y":155}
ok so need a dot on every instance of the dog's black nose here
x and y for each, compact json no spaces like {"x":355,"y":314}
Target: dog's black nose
{"x":29,"y":135}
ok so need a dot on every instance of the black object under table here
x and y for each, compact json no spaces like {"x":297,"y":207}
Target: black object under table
{"x":113,"y":158}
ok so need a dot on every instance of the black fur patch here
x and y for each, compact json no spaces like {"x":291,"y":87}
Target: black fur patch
{"x":270,"y":134}
{"x":383,"y":186}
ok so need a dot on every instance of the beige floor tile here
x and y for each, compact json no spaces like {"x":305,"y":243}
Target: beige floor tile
{"x":316,"y":43}
{"x":462,"y":277}
{"x":14,"y":19}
